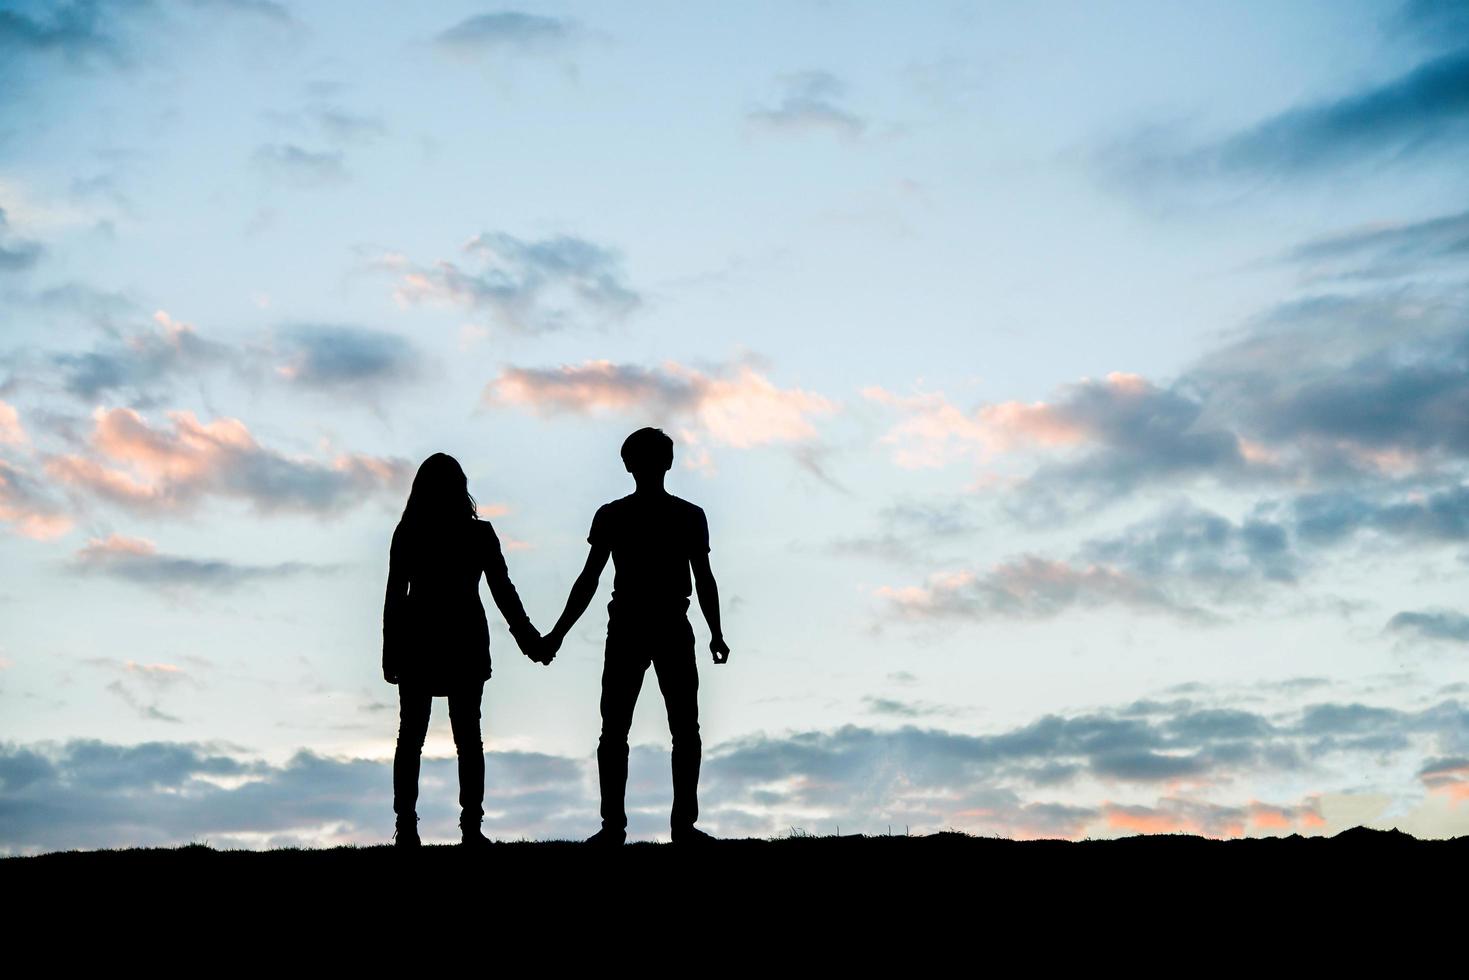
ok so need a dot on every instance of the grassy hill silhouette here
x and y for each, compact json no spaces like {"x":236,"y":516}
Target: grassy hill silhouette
{"x":854,"y":891}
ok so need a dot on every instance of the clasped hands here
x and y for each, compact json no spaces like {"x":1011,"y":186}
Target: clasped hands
{"x":542,"y":649}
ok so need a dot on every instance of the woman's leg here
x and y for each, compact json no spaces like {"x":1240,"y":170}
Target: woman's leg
{"x":469,"y":746}
{"x":414,"y":706}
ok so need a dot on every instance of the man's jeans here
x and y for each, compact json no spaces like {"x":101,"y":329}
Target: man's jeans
{"x":634,"y":642}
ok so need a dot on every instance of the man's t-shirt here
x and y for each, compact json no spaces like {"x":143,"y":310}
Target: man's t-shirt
{"x":651,"y":537}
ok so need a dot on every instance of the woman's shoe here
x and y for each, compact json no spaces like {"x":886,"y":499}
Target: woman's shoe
{"x":405,"y":836}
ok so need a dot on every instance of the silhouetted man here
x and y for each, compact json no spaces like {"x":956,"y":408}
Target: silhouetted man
{"x":653,"y":538}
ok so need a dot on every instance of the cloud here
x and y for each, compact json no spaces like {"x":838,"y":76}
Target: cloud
{"x":734,"y":405}
{"x":1029,"y":587}
{"x":141,"y":686}
{"x":341,"y":126}
{"x":1386,"y":250}
{"x":142,"y":365}
{"x":1135,"y":432}
{"x":26,"y":505}
{"x":266,"y":10}
{"x":336,"y":358}
{"x":1362,"y":391}
{"x":898,"y":708}
{"x":1436,"y":21}
{"x":98,"y":306}
{"x":1185,"y":558}
{"x":810,"y":102}
{"x":157,"y":470}
{"x":1415,"y":115}
{"x":292,"y":164}
{"x":527,"y":286}
{"x":934,"y":432}
{"x":1331,"y":518}
{"x":1421,"y":110}
{"x":1206,"y":552}
{"x":16,"y":254}
{"x":76,"y":31}
{"x":1184,"y":766}
{"x":1447,"y":777}
{"x":910,"y":531}
{"x":1174,"y":816}
{"x":1433,"y":624}
{"x":507,"y":32}
{"x":138,"y":562}
{"x":12,"y":433}
{"x":93,"y":794}
{"x":1347,"y":407}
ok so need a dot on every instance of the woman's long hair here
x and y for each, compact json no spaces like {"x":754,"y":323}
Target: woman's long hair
{"x":440,"y":495}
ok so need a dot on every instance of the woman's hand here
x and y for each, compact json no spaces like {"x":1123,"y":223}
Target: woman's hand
{"x":390,"y":664}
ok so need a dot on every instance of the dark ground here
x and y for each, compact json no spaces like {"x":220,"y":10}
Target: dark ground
{"x":858,"y":900}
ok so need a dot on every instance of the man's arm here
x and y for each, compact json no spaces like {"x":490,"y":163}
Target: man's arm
{"x":583,"y":590}
{"x":708,"y":591}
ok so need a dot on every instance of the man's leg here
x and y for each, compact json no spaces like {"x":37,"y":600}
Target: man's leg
{"x":414,"y":706}
{"x":464,"y":708}
{"x":622,"y":679}
{"x":678,"y":679}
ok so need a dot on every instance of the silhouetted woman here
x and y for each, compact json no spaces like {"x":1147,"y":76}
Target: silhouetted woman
{"x":436,"y":642}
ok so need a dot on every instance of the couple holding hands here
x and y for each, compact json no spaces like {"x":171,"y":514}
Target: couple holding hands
{"x":436,"y":639}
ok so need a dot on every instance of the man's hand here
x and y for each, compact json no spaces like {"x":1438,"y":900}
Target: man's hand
{"x":550,"y":645}
{"x":720,"y":649}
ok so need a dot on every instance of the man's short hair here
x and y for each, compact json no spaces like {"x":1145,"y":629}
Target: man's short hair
{"x":647,"y":449}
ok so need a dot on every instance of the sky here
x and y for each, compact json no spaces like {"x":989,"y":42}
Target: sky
{"x":1078,"y":395}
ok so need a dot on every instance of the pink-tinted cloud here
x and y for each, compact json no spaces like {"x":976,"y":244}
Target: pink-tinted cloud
{"x":934,"y":432}
{"x":12,"y":433}
{"x":1179,"y":815}
{"x":1448,"y":778}
{"x":1144,"y":820}
{"x":736,"y":406}
{"x":168,"y":468}
{"x":26,"y":506}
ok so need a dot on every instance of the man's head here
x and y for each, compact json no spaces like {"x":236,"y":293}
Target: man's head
{"x":648,"y":452}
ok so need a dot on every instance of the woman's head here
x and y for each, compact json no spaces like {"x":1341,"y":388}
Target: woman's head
{"x":440,"y":493}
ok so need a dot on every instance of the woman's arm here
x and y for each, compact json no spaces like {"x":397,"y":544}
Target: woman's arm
{"x":393,"y":609}
{"x":507,"y":600}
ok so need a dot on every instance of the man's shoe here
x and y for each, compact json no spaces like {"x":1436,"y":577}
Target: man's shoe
{"x":473,"y":839}
{"x":405,"y":836}
{"x":606,"y":837}
{"x":691,"y":835}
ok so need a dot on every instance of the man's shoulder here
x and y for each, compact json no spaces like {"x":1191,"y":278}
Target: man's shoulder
{"x":613,"y":506}
{"x":687,"y":506}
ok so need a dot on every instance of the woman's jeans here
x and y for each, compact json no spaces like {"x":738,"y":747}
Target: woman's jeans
{"x":414,"y":705}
